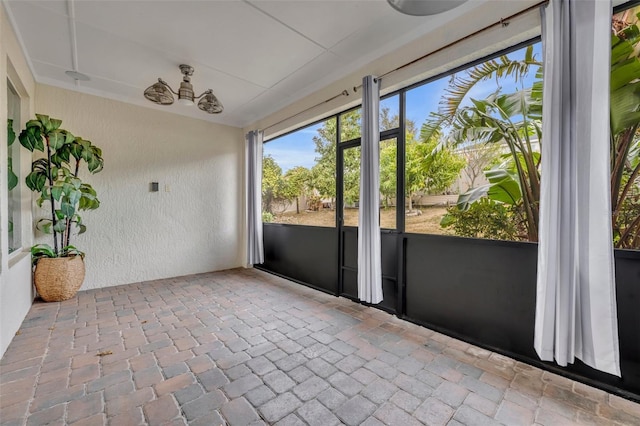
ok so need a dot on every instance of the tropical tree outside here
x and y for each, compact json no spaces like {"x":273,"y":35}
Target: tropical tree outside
{"x":510,"y":120}
{"x":625,"y":131}
{"x":274,"y":187}
{"x":388,"y":172}
{"x":494,"y":139}
{"x":297,"y":184}
{"x":479,"y":157}
{"x":324,"y":171}
{"x":429,"y":169}
{"x":514,"y":119}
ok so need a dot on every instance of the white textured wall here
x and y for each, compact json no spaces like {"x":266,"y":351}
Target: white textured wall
{"x":137,"y":235}
{"x":16,"y":291}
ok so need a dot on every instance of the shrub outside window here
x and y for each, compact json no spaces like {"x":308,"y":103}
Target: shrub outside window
{"x":299,"y":177}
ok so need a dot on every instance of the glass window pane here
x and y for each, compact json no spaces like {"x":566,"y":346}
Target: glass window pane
{"x":351,"y":121}
{"x":351,"y":185}
{"x":470,"y":150}
{"x":425,"y":203}
{"x":13,"y":128}
{"x":388,"y":182}
{"x":299,"y":177}
{"x":389,"y":113}
{"x":625,"y":163}
{"x":351,"y":125}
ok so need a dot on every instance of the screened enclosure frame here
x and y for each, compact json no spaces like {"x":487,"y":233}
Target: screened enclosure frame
{"x":398,"y":132}
{"x":476,"y":303}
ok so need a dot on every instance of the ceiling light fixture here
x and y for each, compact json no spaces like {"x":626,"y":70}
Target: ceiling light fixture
{"x":424,"y":7}
{"x":162,"y":94}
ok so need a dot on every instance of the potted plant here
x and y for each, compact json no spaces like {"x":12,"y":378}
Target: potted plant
{"x":59,"y":270}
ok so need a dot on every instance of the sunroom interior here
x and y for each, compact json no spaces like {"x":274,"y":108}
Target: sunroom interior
{"x":176,"y":210}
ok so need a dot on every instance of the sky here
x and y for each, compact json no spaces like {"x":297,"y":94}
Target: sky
{"x":298,"y":148}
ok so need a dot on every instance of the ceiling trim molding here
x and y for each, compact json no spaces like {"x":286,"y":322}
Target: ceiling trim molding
{"x":16,"y":33}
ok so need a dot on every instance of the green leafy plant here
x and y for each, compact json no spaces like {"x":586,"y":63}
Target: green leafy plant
{"x":275,"y":191}
{"x":625,"y":135}
{"x":429,"y":168}
{"x":267,"y":217}
{"x":56,"y":178}
{"x":297,"y":180}
{"x":484,"y":219}
{"x":513,"y":119}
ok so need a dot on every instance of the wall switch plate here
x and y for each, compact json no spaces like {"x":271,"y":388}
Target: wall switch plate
{"x":167,"y":188}
{"x":153,"y":187}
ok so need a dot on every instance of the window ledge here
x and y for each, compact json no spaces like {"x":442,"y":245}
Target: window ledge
{"x":17,"y":256}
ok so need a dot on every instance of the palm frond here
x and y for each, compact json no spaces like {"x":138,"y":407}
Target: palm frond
{"x":500,"y":67}
{"x":432,"y":127}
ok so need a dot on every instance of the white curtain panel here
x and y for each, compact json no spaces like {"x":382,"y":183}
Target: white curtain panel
{"x":369,"y":257}
{"x":253,"y":176}
{"x":576,"y":302}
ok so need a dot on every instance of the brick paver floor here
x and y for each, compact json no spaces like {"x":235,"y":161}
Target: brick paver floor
{"x":243,"y":347}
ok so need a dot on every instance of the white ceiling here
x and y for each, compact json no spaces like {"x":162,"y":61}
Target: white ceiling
{"x":257,"y":55}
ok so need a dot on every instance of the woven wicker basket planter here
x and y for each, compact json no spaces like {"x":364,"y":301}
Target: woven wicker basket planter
{"x":60,"y":278}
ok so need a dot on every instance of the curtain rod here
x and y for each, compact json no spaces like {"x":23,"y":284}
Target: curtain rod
{"x":503,"y":22}
{"x":343,"y":93}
